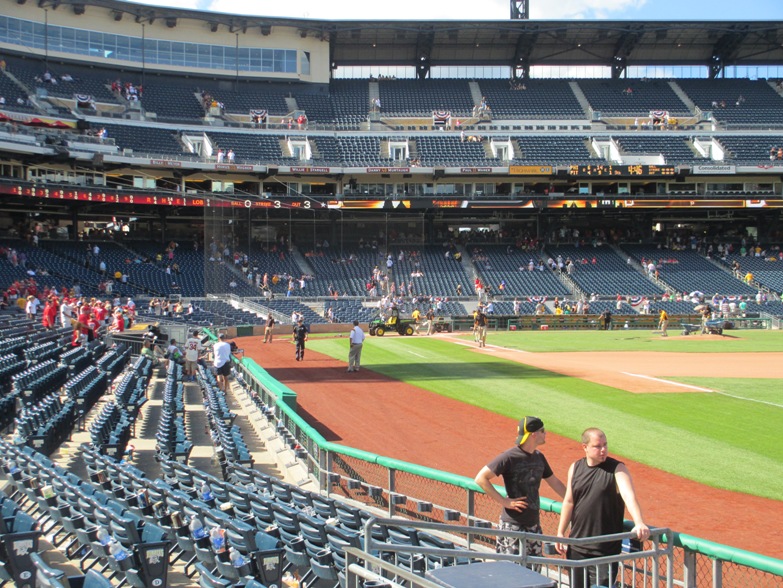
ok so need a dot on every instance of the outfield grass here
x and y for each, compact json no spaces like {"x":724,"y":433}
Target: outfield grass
{"x":729,"y":440}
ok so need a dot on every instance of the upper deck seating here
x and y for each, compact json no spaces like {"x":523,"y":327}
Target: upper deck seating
{"x":541,"y":99}
{"x":758,"y":102}
{"x":171,"y":99}
{"x":612,"y":98}
{"x":11,"y":92}
{"x":94,"y":82}
{"x":350,"y":101}
{"x":242,"y":97}
{"x":419,"y":98}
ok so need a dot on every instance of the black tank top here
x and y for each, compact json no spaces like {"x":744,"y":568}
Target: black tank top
{"x":598,"y":506}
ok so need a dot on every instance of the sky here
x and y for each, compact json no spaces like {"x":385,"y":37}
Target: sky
{"x":491,"y":9}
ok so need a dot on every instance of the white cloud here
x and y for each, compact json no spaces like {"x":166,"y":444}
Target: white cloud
{"x":409,"y":9}
{"x":182,"y":4}
{"x":592,"y":9}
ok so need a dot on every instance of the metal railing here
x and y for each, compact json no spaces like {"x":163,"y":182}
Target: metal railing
{"x":649,"y":565}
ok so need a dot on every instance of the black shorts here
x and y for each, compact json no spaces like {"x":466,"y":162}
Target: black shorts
{"x":225,"y":369}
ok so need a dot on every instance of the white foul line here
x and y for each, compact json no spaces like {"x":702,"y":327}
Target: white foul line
{"x":697,"y":388}
{"x":416,"y":354}
{"x":707,"y":390}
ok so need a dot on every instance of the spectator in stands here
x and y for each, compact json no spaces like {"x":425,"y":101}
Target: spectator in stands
{"x":118,"y":326}
{"x":230,"y":156}
{"x":221,"y":353}
{"x":522,"y":467}
{"x":31,"y":307}
{"x":192,"y":350}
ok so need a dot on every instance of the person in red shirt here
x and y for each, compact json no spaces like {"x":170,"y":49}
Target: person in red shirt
{"x":84,"y":319}
{"x":49,"y":314}
{"x":118,"y":326}
{"x":93,"y":325}
{"x":100,"y":314}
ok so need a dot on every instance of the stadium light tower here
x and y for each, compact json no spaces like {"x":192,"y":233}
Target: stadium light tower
{"x":520,"y":9}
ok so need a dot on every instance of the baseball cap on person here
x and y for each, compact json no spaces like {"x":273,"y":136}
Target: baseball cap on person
{"x":527,"y":425}
{"x":222,"y":336}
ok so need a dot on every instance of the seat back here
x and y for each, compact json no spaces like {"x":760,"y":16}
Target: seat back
{"x":46,"y":576}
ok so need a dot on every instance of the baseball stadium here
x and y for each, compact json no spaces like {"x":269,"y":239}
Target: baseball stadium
{"x":279,"y":293}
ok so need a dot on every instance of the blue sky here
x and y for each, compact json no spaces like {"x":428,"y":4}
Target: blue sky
{"x":493,"y":9}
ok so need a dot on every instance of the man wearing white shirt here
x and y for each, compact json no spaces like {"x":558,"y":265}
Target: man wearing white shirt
{"x":355,"y":352}
{"x":222,"y":361}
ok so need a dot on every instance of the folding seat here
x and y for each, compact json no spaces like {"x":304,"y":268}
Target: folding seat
{"x":261,"y":508}
{"x":209,"y":580}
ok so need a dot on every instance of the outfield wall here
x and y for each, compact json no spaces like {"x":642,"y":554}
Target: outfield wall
{"x":411,"y":490}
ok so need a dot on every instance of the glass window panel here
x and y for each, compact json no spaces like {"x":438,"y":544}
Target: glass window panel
{"x":267,"y":60}
{"x":305,"y":69}
{"x":290,"y":62}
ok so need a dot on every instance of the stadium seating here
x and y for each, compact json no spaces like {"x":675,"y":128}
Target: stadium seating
{"x":675,"y":150}
{"x":541,"y":99}
{"x":451,"y":151}
{"x":610,"y":97}
{"x":567,"y":150}
{"x":610,"y":275}
{"x":351,"y":102}
{"x":752,"y":149}
{"x":419,"y":98}
{"x":736,"y":101}
{"x":495,"y":264}
{"x":687,"y":271}
{"x":768,"y":273}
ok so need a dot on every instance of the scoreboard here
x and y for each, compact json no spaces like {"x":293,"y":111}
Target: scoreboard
{"x":627,"y":171}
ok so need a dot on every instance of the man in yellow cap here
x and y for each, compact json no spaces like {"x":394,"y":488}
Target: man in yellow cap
{"x":522,"y":468}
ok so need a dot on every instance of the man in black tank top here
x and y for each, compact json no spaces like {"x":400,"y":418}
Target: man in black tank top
{"x":598,"y":490}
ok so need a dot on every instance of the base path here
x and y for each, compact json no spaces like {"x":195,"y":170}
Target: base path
{"x":375,"y":413}
{"x":640,"y":371}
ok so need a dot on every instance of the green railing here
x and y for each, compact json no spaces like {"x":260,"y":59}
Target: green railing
{"x":411,"y":490}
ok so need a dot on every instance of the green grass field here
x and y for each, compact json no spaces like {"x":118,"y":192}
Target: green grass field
{"x":729,"y":439}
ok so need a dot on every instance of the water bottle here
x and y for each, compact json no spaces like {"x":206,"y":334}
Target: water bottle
{"x":197,"y":529}
{"x":217,"y":539}
{"x":117,"y":552}
{"x":237,"y":560}
{"x":103,"y":536}
{"x":206,"y":492}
